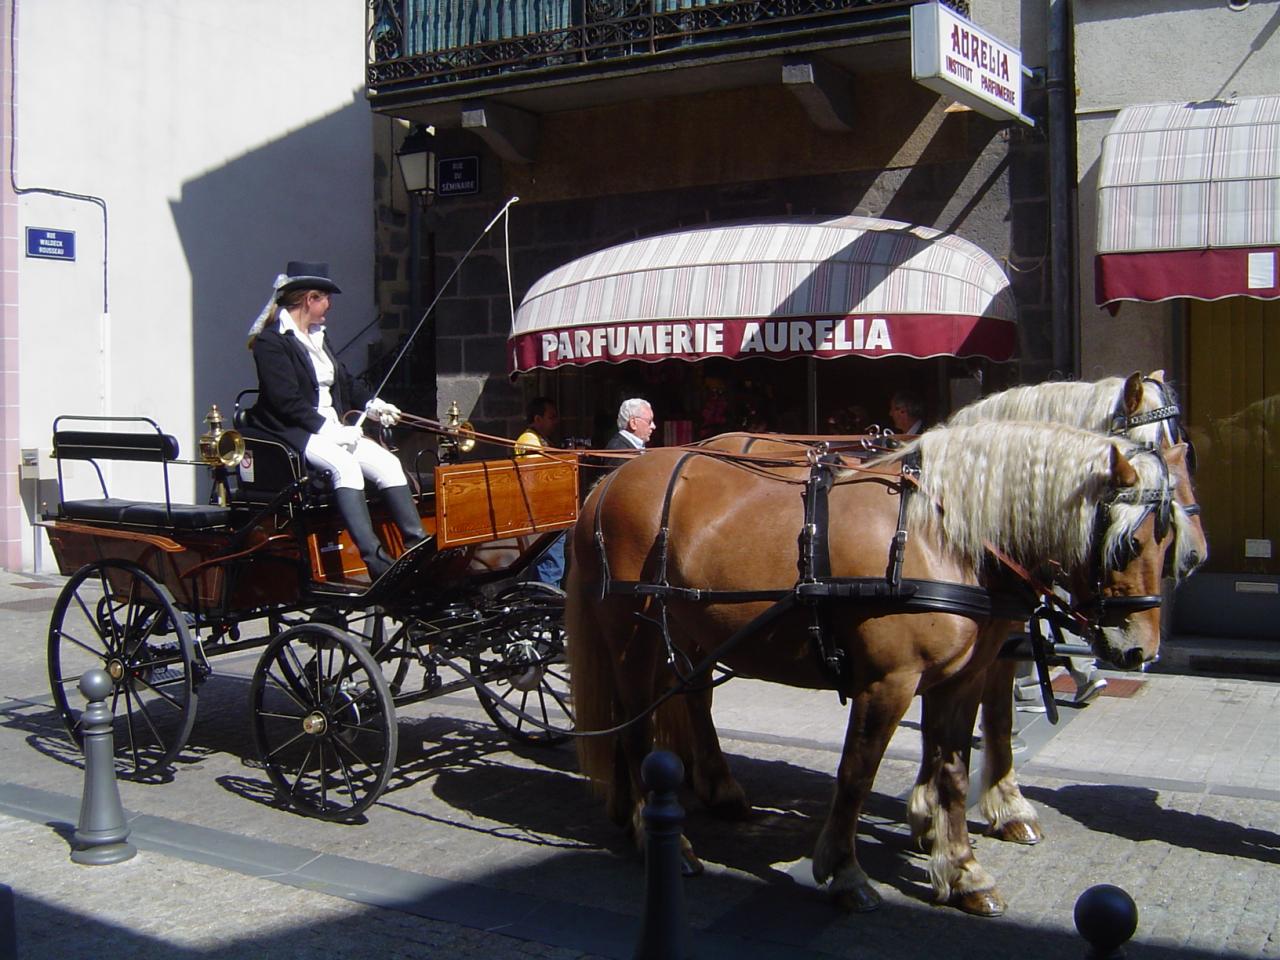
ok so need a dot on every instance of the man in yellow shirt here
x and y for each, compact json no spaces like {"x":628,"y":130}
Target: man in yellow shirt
{"x":542,"y":422}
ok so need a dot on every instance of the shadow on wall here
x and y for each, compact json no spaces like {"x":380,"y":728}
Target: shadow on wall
{"x":305,"y":196}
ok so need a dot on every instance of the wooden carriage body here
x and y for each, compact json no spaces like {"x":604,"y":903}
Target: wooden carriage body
{"x":281,"y":545}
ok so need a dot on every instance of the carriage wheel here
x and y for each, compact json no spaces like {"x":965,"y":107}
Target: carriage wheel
{"x":113,"y":615}
{"x":323,"y":721}
{"x":533,"y":674}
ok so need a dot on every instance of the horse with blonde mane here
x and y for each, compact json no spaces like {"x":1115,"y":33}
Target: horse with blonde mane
{"x":1141,"y":408}
{"x":709,"y":573}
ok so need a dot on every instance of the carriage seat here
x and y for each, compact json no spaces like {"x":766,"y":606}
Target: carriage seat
{"x":150,"y":447}
{"x":270,"y":466}
{"x":179,"y":516}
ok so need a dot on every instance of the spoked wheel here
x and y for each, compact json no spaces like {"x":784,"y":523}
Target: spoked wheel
{"x":113,"y":615}
{"x":323,"y":721}
{"x":525,"y":668}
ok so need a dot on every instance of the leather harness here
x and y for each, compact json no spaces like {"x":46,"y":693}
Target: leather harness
{"x":815,"y":590}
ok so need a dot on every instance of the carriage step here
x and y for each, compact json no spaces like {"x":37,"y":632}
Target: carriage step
{"x":165,"y":675}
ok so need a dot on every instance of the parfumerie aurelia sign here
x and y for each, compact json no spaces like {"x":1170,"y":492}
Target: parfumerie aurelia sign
{"x":959,"y":60}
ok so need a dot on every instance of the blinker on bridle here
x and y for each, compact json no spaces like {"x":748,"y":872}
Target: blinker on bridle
{"x":1158,"y":501}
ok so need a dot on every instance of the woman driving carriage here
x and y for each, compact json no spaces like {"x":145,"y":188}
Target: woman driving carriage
{"x":303,"y":392}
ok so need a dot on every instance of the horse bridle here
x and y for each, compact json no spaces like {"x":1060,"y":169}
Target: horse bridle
{"x":1122,"y":423}
{"x":1159,"y":502}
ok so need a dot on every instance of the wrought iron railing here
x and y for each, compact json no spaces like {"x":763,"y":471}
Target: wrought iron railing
{"x":413,"y":42}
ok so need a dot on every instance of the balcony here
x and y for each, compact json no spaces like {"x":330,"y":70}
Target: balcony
{"x":437,"y":51}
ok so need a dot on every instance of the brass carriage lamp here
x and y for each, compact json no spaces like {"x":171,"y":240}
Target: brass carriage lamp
{"x":219,"y":447}
{"x":451,"y":444}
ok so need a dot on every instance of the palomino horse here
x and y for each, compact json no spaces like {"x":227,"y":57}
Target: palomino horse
{"x":1142,"y":408}
{"x":1096,"y":508}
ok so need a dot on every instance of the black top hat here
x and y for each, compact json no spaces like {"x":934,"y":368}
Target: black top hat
{"x":312,"y":276}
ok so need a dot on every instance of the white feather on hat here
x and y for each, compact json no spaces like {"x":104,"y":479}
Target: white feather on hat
{"x":297,"y":273}
{"x":267,"y":309}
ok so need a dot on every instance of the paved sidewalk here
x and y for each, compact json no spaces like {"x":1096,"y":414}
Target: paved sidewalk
{"x":481,"y":850}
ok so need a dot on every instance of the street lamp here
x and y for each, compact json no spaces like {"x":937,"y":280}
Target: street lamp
{"x":417,"y":161}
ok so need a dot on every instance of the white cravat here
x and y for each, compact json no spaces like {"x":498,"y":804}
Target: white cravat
{"x":313,"y":342}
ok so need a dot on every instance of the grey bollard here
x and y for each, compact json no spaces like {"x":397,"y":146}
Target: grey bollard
{"x":8,"y":925}
{"x":1107,"y":917}
{"x":664,"y":934}
{"x":101,"y":837}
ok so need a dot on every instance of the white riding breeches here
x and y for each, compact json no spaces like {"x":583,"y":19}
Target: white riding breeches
{"x":349,"y":469}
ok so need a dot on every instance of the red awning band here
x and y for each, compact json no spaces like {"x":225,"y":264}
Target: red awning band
{"x":920,"y":336}
{"x":1197,"y":274}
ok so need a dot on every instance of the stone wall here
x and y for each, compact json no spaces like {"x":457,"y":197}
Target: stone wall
{"x":608,"y":175}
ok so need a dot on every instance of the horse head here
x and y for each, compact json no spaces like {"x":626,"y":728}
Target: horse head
{"x":1138,"y":522}
{"x":1147,"y":411}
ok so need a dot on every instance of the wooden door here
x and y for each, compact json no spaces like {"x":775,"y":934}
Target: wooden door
{"x":1233,"y":415}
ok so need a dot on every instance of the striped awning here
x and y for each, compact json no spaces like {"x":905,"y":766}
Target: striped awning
{"x":1189,"y":202}
{"x":816,"y":287}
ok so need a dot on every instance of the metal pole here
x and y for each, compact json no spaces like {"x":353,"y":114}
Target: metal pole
{"x":8,"y":925}
{"x":664,"y":934}
{"x":102,"y":836}
{"x":1061,"y":189}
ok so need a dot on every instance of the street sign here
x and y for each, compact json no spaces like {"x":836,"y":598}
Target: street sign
{"x":51,"y":244}
{"x":960,"y":60}
{"x":458,"y":176}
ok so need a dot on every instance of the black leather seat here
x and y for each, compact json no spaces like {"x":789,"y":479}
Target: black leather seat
{"x":147,"y":447}
{"x":139,"y":513}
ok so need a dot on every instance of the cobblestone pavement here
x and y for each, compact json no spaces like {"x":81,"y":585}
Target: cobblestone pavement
{"x":481,"y":849}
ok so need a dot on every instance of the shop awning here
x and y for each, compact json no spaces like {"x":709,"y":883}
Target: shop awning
{"x":1189,"y":202}
{"x":815,"y":287}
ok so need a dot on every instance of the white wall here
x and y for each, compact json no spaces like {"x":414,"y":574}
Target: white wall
{"x":226,"y":137}
{"x":1135,"y":51}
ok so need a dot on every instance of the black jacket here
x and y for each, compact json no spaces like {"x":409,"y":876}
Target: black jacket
{"x":619,"y":442}
{"x":616,"y":442}
{"x":288,"y":392}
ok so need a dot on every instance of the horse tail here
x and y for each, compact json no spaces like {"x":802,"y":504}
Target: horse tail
{"x":592,"y":680}
{"x":673,"y":730}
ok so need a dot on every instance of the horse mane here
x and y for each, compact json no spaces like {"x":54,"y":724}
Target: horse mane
{"x":1185,"y":557}
{"x":1029,"y":489}
{"x":1085,"y":404}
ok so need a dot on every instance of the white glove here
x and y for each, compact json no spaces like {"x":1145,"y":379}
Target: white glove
{"x":387,"y":414}
{"x":343,"y":436}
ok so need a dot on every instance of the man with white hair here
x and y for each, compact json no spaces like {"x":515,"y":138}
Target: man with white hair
{"x":635,"y":426}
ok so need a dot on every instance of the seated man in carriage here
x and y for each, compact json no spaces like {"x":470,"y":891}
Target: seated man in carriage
{"x":303,"y":390}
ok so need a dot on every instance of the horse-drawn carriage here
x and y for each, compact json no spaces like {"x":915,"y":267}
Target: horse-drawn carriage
{"x":782,"y":559}
{"x":158,"y":589}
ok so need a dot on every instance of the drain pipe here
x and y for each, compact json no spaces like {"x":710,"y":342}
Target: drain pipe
{"x":1062,"y":167}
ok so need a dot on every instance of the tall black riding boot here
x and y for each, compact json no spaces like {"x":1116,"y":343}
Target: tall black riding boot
{"x":355,"y":512}
{"x":404,"y":512}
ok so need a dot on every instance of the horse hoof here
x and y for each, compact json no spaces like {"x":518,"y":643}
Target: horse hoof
{"x":860,"y":899}
{"x":980,"y":903}
{"x":1018,"y":831}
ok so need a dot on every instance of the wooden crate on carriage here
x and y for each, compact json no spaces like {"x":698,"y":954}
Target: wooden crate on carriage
{"x":497,"y":499}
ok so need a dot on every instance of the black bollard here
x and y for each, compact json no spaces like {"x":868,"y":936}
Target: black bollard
{"x":101,"y":837}
{"x":8,"y":925}
{"x":665,"y":933}
{"x":1107,"y":917}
